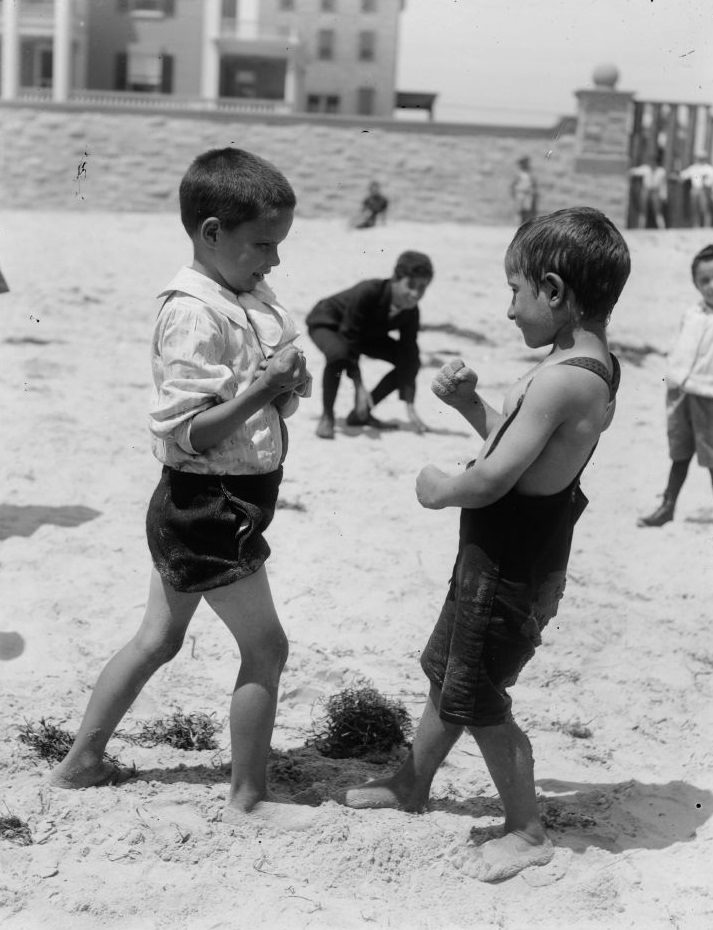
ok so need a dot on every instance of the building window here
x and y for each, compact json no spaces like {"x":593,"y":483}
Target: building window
{"x":368,"y":6}
{"x":148,"y":9}
{"x":229,"y":9}
{"x":144,"y":74}
{"x":323,"y":103}
{"x":325,"y":44}
{"x":287,"y":5}
{"x":367,"y":46}
{"x":329,"y":6}
{"x":365,"y":101}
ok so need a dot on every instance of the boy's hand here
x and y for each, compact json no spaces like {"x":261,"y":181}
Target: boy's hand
{"x":455,"y":384}
{"x":285,"y":370}
{"x":428,"y":487}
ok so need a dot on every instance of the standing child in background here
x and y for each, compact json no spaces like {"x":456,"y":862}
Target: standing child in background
{"x":226,"y":372}
{"x":689,"y":391}
{"x":357,"y":322}
{"x":653,"y":192}
{"x":523,"y":191}
{"x":700,"y":177}
{"x":519,"y":502}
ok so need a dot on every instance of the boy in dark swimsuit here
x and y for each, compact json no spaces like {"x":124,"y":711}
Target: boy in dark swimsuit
{"x":519,"y":502}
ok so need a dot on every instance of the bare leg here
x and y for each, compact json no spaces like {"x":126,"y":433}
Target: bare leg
{"x":409,"y":787}
{"x":247,"y":609}
{"x":508,"y":755}
{"x":158,"y":640}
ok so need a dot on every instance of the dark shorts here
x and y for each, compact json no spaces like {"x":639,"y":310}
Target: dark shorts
{"x":205,"y":531}
{"x":488,"y":629}
{"x":689,"y":424}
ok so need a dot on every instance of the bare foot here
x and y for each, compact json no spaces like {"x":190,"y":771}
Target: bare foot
{"x":271,"y":813}
{"x":379,"y":793}
{"x":502,"y":858}
{"x":98,"y":776}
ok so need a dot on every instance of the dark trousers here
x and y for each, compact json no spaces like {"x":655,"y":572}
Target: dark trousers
{"x":335,"y":349}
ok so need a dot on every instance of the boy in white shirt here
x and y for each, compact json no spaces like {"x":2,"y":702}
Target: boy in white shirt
{"x":689,"y":391}
{"x":226,"y":372}
{"x":700,"y":176}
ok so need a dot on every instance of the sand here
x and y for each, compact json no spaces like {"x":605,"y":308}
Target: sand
{"x":617,"y":702}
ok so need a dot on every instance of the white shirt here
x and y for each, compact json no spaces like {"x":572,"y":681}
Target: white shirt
{"x":699,"y":174}
{"x":206,"y":348}
{"x":652,"y":179}
{"x":690,"y":362}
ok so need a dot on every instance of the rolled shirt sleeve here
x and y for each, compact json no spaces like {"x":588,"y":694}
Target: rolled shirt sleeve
{"x":195,"y":374}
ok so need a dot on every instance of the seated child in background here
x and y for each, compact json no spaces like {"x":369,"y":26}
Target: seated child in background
{"x":225,"y":370}
{"x":358,"y":322}
{"x":519,"y":502}
{"x":689,"y":391}
{"x":373,"y":207}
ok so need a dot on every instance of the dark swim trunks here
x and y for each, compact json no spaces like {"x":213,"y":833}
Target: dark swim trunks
{"x":508,"y":579}
{"x":205,"y":531}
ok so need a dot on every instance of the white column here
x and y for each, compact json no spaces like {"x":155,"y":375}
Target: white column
{"x":247,"y":19}
{"x":62,"y":50}
{"x":291,"y":82}
{"x":10,"y":49}
{"x":210,"y":55}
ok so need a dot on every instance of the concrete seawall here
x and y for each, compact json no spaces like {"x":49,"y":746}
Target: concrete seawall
{"x":68,"y":157}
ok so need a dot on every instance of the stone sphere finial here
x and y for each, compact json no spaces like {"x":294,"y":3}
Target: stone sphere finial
{"x":605,"y":76}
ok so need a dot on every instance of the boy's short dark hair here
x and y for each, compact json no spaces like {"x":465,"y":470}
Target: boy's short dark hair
{"x":705,"y":255}
{"x":583,"y":247}
{"x":413,"y":265}
{"x":233,"y":185}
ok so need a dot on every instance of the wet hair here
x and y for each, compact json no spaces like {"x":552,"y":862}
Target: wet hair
{"x":232,"y":185}
{"x":705,"y":255}
{"x":413,"y":265}
{"x":583,"y":247}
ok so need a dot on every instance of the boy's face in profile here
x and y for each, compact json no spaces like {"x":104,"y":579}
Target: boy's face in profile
{"x":406,"y":292}
{"x":241,"y":257}
{"x":703,"y":279}
{"x":532,"y":313}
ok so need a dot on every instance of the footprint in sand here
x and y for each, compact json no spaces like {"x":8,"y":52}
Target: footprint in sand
{"x":280,"y":817}
{"x":12,"y":645}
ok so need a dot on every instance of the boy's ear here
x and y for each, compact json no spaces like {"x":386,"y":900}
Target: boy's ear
{"x":208,"y":232}
{"x":555,"y":288}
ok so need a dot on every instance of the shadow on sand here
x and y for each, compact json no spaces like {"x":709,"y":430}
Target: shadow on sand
{"x":23,"y":520}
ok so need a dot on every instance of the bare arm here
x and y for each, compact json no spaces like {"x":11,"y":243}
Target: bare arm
{"x":544,"y":409}
{"x":455,"y":385}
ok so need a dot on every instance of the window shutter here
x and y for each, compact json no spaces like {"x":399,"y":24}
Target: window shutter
{"x":121,"y":67}
{"x":166,"y":74}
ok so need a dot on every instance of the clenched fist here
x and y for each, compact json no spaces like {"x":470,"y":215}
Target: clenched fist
{"x":455,"y":382}
{"x":285,"y":370}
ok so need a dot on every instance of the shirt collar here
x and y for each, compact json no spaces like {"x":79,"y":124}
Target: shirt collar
{"x":195,"y":284}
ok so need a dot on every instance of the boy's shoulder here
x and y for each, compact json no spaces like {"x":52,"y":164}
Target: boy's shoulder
{"x":574,"y":383}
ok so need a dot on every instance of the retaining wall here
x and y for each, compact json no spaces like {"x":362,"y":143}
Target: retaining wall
{"x":64,"y":156}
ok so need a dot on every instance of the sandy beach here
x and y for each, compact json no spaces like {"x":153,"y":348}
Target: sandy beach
{"x":617,"y":702}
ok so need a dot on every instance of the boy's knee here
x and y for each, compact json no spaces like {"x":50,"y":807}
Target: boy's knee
{"x":272,"y":650}
{"x":158,"y":650}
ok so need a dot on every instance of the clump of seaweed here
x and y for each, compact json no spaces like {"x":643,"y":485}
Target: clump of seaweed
{"x":361,"y":722}
{"x":14,"y":830}
{"x":49,"y":741}
{"x":192,"y":732}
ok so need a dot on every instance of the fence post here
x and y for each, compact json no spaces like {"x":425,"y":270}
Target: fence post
{"x":601,"y":160}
